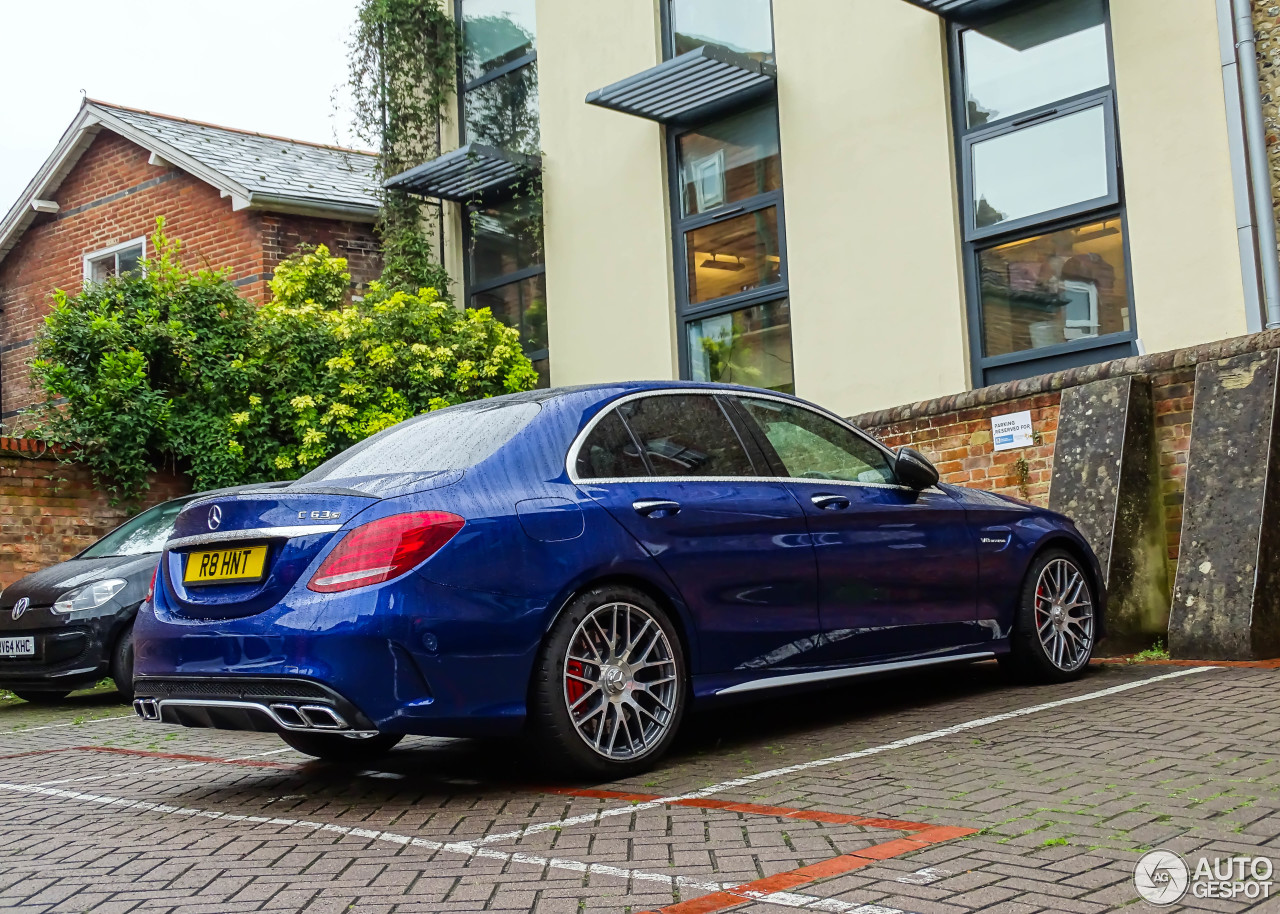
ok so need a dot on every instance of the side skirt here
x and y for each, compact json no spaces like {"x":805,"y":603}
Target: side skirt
{"x":819,"y":676}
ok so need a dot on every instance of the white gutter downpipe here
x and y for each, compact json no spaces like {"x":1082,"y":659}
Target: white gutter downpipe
{"x":1255,"y":141}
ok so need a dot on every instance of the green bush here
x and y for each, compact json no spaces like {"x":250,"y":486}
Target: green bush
{"x":174,"y":369}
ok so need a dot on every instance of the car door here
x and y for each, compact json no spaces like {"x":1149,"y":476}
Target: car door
{"x":897,"y":568}
{"x":672,"y":469}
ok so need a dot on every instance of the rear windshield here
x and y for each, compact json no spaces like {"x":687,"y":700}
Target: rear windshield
{"x":145,"y":533}
{"x":448,"y":439}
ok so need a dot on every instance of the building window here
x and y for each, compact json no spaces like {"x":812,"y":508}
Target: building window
{"x":115,"y":261}
{"x":729,"y":233}
{"x":1041,"y":196}
{"x":505,"y":266}
{"x":744,"y":26}
{"x":499,"y":74}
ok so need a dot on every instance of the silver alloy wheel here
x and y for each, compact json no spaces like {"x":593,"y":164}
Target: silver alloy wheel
{"x":620,"y":682}
{"x":1064,"y":615}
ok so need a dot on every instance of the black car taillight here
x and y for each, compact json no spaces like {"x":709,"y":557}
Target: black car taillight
{"x":384,"y":549}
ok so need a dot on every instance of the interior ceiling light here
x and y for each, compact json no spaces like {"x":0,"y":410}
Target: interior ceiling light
{"x":715,"y":263}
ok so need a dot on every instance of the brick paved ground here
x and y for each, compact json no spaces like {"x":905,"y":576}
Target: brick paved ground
{"x":1046,"y":810}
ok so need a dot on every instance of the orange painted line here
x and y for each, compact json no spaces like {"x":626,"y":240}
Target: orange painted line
{"x":180,"y":757}
{"x":755,"y":809}
{"x":31,"y":752}
{"x":1235,"y":664}
{"x":823,"y":869}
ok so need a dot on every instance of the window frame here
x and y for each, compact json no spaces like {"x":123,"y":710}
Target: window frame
{"x":681,"y":226}
{"x":470,"y":289}
{"x":1046,"y":115}
{"x":993,"y":369}
{"x":743,"y":426}
{"x":114,"y":252}
{"x":686,"y":312}
{"x":497,"y":72}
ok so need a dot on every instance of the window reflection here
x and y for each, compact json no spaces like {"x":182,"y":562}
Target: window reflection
{"x":730,"y":160}
{"x":1042,"y":168}
{"x":1031,"y":58}
{"x":686,"y":436}
{"x":733,"y":255}
{"x":751,"y":346}
{"x":521,"y":304}
{"x":744,"y":26}
{"x":505,"y":237}
{"x":495,"y":32}
{"x":1054,"y":288}
{"x":503,"y":112}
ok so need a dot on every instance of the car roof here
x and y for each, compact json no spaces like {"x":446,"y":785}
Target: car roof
{"x":607,"y":391}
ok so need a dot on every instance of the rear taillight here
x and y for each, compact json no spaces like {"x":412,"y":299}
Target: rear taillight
{"x":151,"y":590}
{"x":384,"y":549}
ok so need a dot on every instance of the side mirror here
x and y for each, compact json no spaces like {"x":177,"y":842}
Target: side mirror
{"x":914,"y":469}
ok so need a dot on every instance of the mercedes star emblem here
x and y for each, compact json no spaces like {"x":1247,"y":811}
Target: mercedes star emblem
{"x":215,"y":517}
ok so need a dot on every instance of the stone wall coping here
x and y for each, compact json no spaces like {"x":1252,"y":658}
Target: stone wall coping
{"x":1073,"y":377}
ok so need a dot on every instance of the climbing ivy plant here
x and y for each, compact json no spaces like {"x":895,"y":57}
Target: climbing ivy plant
{"x":403,"y":62}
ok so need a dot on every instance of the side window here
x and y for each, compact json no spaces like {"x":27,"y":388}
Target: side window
{"x":811,"y":446}
{"x":686,"y":435}
{"x":610,"y":452}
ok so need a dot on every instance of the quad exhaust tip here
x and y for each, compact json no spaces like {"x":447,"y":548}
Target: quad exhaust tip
{"x":286,"y":715}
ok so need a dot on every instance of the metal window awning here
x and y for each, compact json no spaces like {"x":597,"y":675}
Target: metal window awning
{"x":469,"y":172}
{"x":962,"y":10}
{"x":691,"y":87}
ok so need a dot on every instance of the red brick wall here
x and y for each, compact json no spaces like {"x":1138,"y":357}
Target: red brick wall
{"x":112,"y":195}
{"x":959,"y":444}
{"x":955,"y":432}
{"x":49,"y":511}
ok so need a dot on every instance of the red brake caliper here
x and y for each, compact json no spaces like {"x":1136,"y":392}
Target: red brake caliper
{"x":575,"y":688}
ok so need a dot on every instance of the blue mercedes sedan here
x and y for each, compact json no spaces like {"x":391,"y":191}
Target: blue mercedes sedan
{"x":585,"y":564}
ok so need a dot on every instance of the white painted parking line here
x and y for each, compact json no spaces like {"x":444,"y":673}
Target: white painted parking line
{"x":476,"y":848}
{"x":92,"y":777}
{"x":245,"y":758}
{"x":836,"y":759}
{"x":783,"y":899}
{"x":468,"y":850}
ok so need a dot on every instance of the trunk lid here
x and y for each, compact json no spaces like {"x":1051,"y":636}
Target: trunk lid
{"x":295,"y":522}
{"x":292,"y":526}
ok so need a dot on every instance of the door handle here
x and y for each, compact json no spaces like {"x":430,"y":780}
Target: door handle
{"x":656,"y":507}
{"x":830,"y":502}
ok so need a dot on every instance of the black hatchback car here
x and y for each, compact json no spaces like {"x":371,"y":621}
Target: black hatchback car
{"x":69,"y":625}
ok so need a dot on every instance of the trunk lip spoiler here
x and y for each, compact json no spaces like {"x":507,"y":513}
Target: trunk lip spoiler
{"x":253,"y":533}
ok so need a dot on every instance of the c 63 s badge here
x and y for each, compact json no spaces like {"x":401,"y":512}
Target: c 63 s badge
{"x":319,"y":515}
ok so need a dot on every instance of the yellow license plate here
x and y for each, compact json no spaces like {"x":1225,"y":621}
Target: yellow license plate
{"x":220,"y":566}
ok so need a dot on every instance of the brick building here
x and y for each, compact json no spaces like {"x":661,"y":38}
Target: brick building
{"x":237,"y":200}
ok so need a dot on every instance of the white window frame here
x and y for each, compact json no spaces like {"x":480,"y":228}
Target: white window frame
{"x":95,"y":256}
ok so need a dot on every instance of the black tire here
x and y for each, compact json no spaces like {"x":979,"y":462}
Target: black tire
{"x":337,"y":747}
{"x":41,"y":698}
{"x":560,"y":742}
{"x":1031,"y":658}
{"x":122,"y":663}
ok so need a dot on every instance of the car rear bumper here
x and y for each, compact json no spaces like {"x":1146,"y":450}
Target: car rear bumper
{"x":431,"y":660}
{"x":263,"y":704}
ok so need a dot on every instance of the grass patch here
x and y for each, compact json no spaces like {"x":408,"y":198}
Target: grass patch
{"x":1157,"y":651}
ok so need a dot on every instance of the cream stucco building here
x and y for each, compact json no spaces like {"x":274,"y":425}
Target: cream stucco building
{"x":867,"y":202}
